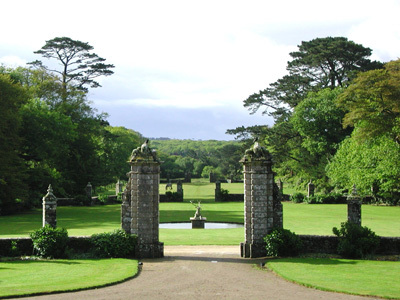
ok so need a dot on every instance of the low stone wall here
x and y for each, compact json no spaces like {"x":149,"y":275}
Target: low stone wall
{"x":230,"y":198}
{"x":311,"y":244}
{"x":328,"y":244}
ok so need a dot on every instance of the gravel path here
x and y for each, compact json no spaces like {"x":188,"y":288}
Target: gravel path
{"x":203,"y":272}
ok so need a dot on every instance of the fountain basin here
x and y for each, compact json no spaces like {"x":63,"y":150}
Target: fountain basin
{"x":207,"y":225}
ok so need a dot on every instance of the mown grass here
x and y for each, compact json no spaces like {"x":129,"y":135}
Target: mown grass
{"x":28,"y":277}
{"x":361,"y":277}
{"x":301,"y":218}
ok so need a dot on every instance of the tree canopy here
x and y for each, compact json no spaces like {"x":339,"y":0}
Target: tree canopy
{"x":372,"y":102}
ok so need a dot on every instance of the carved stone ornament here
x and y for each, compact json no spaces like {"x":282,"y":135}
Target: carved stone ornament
{"x":256,"y":152}
{"x":144,"y":152}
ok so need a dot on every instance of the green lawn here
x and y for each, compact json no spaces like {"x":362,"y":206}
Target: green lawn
{"x":43,"y":276}
{"x":361,"y":277}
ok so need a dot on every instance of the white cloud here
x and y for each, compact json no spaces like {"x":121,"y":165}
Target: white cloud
{"x":12,"y":61}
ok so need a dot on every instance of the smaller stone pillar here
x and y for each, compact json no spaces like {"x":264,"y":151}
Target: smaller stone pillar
{"x":179,"y":189}
{"x":88,"y":190}
{"x":188,"y":177}
{"x":280,"y":185}
{"x":118,"y":187}
{"x":49,"y":202}
{"x":310,"y":189}
{"x":212,"y":177}
{"x":218,"y":197}
{"x":354,"y":207}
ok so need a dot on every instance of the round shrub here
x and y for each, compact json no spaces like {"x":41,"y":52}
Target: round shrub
{"x":297,"y":198}
{"x":356,"y":241}
{"x":283,"y":242}
{"x":113,"y":244}
{"x":50,"y":242}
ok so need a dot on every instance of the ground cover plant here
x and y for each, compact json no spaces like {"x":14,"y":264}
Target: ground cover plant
{"x":361,"y":277}
{"x":28,"y":277}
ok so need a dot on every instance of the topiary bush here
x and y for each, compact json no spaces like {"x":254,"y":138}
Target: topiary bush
{"x":50,"y":242}
{"x":283,"y":242}
{"x":113,"y":244}
{"x":297,"y":198}
{"x":356,"y":241}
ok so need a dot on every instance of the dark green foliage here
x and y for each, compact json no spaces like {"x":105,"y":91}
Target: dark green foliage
{"x":12,"y":171}
{"x":223,"y":195}
{"x":114,"y":244}
{"x":283,"y":242}
{"x":50,"y":242}
{"x":356,"y":241}
{"x":332,"y":198}
{"x":297,"y":197}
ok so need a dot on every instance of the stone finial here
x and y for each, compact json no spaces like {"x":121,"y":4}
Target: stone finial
{"x":354,"y":191}
{"x":144,"y":152}
{"x":256,"y":152}
{"x":50,"y":196}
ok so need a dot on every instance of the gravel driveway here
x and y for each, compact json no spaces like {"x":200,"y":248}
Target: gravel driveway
{"x":203,"y":272}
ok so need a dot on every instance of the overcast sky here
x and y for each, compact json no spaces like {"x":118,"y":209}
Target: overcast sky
{"x":183,"y":68}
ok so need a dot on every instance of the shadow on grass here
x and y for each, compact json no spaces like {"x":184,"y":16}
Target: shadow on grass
{"x":314,"y":261}
{"x":28,"y":261}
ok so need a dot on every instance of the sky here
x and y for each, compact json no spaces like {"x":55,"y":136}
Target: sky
{"x":184,"y":68}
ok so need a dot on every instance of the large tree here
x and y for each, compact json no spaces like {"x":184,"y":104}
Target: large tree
{"x":320,"y":63}
{"x":80,"y":67}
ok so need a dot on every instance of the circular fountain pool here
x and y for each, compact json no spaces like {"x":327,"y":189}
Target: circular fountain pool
{"x":207,"y":225}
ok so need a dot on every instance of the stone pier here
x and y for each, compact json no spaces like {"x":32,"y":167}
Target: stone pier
{"x":140,"y":206}
{"x":49,"y":202}
{"x":354,"y":207}
{"x":263,"y":210}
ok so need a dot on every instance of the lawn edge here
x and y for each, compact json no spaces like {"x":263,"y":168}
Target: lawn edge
{"x":139,"y":269}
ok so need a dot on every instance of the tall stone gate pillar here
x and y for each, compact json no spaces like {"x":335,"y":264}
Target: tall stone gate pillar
{"x":140,"y":206}
{"x":262,"y":206}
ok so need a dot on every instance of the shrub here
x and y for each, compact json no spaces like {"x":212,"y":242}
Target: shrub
{"x":83,"y":200}
{"x":283,"y":242}
{"x":172,"y":196}
{"x":50,"y":242}
{"x":356,"y":241}
{"x":297,"y":197}
{"x":113,"y":244}
{"x":313,"y":199}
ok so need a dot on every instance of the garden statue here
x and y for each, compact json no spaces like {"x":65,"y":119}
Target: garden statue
{"x":197,"y":221}
{"x":197,"y":214}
